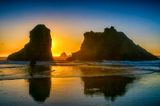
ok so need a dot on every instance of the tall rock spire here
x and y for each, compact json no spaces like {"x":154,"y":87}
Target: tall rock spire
{"x":38,"y":48}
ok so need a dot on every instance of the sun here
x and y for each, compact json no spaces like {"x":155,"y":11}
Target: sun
{"x":53,"y":48}
{"x":53,"y":45}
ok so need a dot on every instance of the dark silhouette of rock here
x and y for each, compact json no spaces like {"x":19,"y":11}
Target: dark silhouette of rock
{"x":39,"y":88}
{"x":110,"y":86}
{"x":32,"y":63}
{"x":110,"y":45}
{"x":63,"y":55}
{"x":38,"y":48}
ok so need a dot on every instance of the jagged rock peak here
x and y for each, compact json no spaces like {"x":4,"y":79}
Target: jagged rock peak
{"x":110,"y":29}
{"x":110,"y":45}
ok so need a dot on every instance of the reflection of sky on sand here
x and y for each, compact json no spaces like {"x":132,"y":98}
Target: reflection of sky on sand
{"x":143,"y":92}
{"x":120,"y":90}
{"x":85,"y":71}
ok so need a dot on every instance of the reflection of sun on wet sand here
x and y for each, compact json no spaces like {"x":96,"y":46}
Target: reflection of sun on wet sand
{"x":77,"y":84}
{"x":96,"y":81}
{"x":89,"y":71}
{"x":75,"y":69}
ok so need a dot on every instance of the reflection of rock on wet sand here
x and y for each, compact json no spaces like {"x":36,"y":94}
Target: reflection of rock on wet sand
{"x":39,"y":88}
{"x":110,"y":86}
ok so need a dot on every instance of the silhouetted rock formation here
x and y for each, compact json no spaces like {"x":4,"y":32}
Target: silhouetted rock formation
{"x":38,"y":48}
{"x":110,"y":45}
{"x":63,"y":55}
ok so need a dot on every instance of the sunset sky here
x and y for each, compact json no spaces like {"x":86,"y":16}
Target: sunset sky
{"x":69,"y":19}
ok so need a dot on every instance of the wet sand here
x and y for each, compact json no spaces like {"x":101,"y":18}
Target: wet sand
{"x":78,"y":85}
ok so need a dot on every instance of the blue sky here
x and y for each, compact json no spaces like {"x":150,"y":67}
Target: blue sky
{"x":139,"y":19}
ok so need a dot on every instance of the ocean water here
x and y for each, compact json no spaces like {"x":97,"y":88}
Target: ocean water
{"x":107,"y":83}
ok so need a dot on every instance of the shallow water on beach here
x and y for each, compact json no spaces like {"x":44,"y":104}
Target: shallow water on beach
{"x":80,"y":84}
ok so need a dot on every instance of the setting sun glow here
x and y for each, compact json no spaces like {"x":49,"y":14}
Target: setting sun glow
{"x":62,"y":43}
{"x":68,"y":24}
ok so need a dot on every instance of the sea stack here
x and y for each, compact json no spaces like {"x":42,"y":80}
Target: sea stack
{"x":110,"y":45}
{"x":38,"y":48}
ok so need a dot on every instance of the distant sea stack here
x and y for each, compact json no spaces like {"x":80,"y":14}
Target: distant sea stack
{"x":38,"y":48}
{"x":110,"y":45}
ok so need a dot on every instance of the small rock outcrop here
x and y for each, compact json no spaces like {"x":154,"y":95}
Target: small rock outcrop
{"x":63,"y":55}
{"x":110,"y":45}
{"x":38,"y":48}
